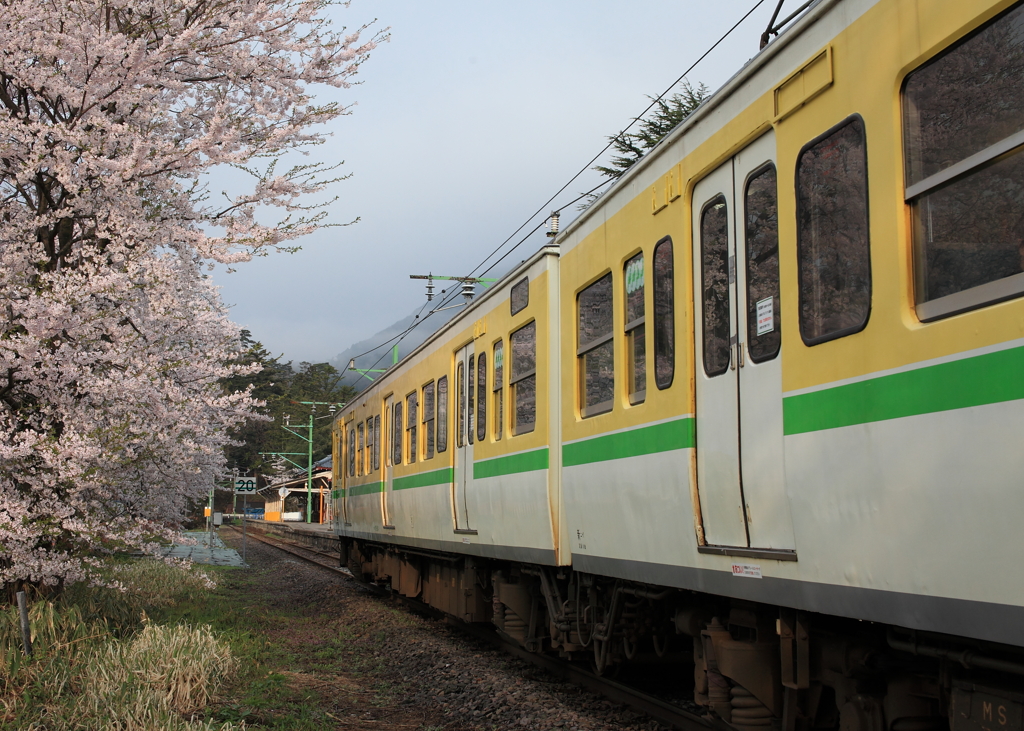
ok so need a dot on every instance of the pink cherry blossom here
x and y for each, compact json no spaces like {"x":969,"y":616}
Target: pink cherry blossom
{"x":112,"y":340}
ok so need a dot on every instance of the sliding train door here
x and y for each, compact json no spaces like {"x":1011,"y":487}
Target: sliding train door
{"x":738,"y":328}
{"x":340,"y":474}
{"x":392,"y":452}
{"x":463,"y":472}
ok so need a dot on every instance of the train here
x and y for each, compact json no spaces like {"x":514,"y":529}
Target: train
{"x":759,"y":408}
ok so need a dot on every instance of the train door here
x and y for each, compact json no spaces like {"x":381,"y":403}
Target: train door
{"x":392,"y":440}
{"x":341,"y":488}
{"x":342,"y":472}
{"x":464,"y":362}
{"x":740,"y":469}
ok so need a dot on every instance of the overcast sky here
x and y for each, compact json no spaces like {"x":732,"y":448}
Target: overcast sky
{"x":466,"y":122}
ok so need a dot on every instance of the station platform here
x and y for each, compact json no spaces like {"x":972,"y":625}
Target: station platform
{"x":315,"y":535}
{"x":209,"y":549}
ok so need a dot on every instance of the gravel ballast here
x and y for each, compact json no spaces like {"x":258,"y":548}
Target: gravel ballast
{"x":377,"y":664}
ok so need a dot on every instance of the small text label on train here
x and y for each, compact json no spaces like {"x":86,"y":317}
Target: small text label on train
{"x":750,"y":570}
{"x":765,"y":315}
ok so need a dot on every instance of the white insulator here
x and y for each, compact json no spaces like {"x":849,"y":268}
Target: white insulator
{"x":553,"y":224}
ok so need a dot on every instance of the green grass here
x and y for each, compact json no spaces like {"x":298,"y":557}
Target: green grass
{"x":173,"y":653}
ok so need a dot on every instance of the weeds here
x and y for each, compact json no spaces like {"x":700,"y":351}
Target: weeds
{"x":99,"y":663}
{"x":160,"y":677}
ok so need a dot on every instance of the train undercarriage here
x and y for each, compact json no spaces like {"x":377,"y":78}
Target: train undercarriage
{"x":754,"y":666}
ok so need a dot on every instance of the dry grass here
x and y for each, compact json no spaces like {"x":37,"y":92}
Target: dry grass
{"x":100,"y":664}
{"x":157,"y":680}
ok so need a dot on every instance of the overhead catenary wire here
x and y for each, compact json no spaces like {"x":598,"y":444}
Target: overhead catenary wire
{"x":417,"y":320}
{"x":613,"y":140}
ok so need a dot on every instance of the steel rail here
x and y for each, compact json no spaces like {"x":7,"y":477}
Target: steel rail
{"x":289,"y":547}
{"x":674,"y":716}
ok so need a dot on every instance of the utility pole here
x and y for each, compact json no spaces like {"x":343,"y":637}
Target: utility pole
{"x":309,"y":448}
{"x":209,"y":520}
{"x":364,"y":371}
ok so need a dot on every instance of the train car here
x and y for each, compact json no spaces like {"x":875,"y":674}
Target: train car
{"x":783,"y":394}
{"x":449,"y":451}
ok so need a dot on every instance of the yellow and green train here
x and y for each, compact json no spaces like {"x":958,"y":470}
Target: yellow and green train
{"x":760,"y":407}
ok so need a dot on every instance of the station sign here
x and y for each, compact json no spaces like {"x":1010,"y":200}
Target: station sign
{"x":245,"y":485}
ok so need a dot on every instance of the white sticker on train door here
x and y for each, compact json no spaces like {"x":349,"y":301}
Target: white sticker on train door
{"x":765,"y":315}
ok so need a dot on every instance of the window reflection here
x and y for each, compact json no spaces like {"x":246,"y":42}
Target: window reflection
{"x":832,"y":235}
{"x":764,"y":314}
{"x":967,"y":229}
{"x":596,"y":347}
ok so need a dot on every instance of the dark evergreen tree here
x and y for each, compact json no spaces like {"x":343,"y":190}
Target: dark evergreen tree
{"x":665,"y":116}
{"x":283,"y":389}
{"x":318,"y":382}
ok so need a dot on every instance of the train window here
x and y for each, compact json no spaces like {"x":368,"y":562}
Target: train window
{"x":963,"y":137}
{"x":428,"y":420}
{"x":761,"y":219}
{"x":523,"y":378}
{"x":412,"y":421}
{"x":715,"y":290}
{"x":481,"y":399}
{"x":520,"y":297}
{"x":833,"y":250}
{"x":442,"y":414}
{"x":499,"y":372}
{"x":460,"y":404}
{"x":336,"y":452}
{"x":376,"y":442}
{"x":664,"y":314}
{"x":359,"y":449}
{"x":636,"y":344}
{"x":470,"y":382}
{"x":595,"y":344}
{"x":351,"y":452}
{"x":396,"y":434}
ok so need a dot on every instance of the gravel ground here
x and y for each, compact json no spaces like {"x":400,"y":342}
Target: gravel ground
{"x":378,"y":665}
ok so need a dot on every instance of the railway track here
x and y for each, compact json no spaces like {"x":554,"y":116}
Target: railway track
{"x":667,"y":713}
{"x":323,"y":559}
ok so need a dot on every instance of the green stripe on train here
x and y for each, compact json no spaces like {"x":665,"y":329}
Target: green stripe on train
{"x":678,"y":434}
{"x":983,"y":379}
{"x":512,"y":464}
{"x":424,"y":479}
{"x":370,"y":488}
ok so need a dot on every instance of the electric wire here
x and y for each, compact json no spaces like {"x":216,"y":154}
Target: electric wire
{"x":611,"y":141}
{"x":417,"y":321}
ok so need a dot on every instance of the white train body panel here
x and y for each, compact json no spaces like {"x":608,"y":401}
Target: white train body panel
{"x":874,"y":475}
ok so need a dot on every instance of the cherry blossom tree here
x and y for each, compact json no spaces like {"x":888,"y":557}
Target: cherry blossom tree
{"x":112,"y":341}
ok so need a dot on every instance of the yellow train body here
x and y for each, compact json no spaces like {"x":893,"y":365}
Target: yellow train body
{"x":846,"y":434}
